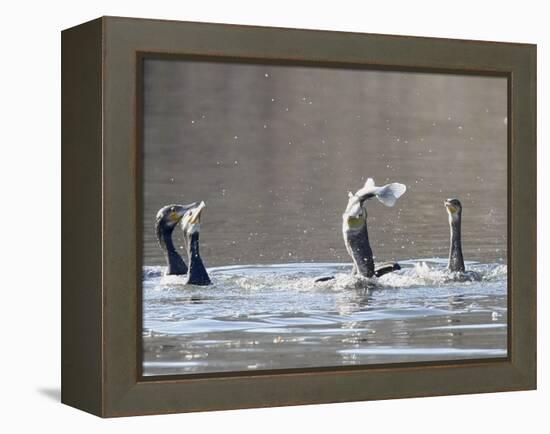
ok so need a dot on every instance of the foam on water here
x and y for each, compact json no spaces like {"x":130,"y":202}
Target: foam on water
{"x":301,"y":276}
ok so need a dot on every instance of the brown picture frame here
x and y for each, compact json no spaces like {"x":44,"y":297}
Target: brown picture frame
{"x":101,"y":209}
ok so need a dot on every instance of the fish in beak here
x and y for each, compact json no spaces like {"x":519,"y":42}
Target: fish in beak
{"x":196,"y":213}
{"x":190,"y":223}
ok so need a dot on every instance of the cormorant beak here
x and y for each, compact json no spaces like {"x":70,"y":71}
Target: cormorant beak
{"x":179,"y":212}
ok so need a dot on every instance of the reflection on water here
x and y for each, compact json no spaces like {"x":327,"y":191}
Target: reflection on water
{"x":274,"y":317}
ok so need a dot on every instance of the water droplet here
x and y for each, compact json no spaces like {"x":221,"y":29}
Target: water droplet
{"x":236,"y":162}
{"x":266,"y":75}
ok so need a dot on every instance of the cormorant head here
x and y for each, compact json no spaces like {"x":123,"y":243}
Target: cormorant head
{"x":168,"y":217}
{"x":355,"y":214}
{"x":191,"y":221}
{"x":454,"y":209}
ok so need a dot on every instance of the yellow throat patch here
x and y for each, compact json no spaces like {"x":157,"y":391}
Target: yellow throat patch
{"x":355,"y":222}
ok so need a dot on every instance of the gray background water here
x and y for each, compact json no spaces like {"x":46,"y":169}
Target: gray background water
{"x":273,"y":151}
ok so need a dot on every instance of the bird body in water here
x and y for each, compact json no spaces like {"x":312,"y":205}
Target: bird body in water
{"x":456,"y":258}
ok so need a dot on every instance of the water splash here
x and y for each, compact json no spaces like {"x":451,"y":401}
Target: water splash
{"x":276,"y":316}
{"x":430,"y":272}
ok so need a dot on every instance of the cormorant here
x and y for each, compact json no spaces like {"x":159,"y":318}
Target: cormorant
{"x":354,"y":226}
{"x":456,"y":260}
{"x":167,"y":219}
{"x":190,"y":225}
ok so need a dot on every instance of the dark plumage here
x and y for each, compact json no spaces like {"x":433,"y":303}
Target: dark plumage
{"x":197,"y":274}
{"x":456,"y":260}
{"x":190,"y":224}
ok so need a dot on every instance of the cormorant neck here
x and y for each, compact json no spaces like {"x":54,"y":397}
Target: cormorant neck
{"x":456,"y":260}
{"x":175,"y":263}
{"x":358,"y":246}
{"x":197,"y":272}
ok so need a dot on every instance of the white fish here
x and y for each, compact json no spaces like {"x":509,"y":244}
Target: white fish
{"x":387,"y":194}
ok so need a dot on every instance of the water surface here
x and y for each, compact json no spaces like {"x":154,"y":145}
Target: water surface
{"x":276,"y":317}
